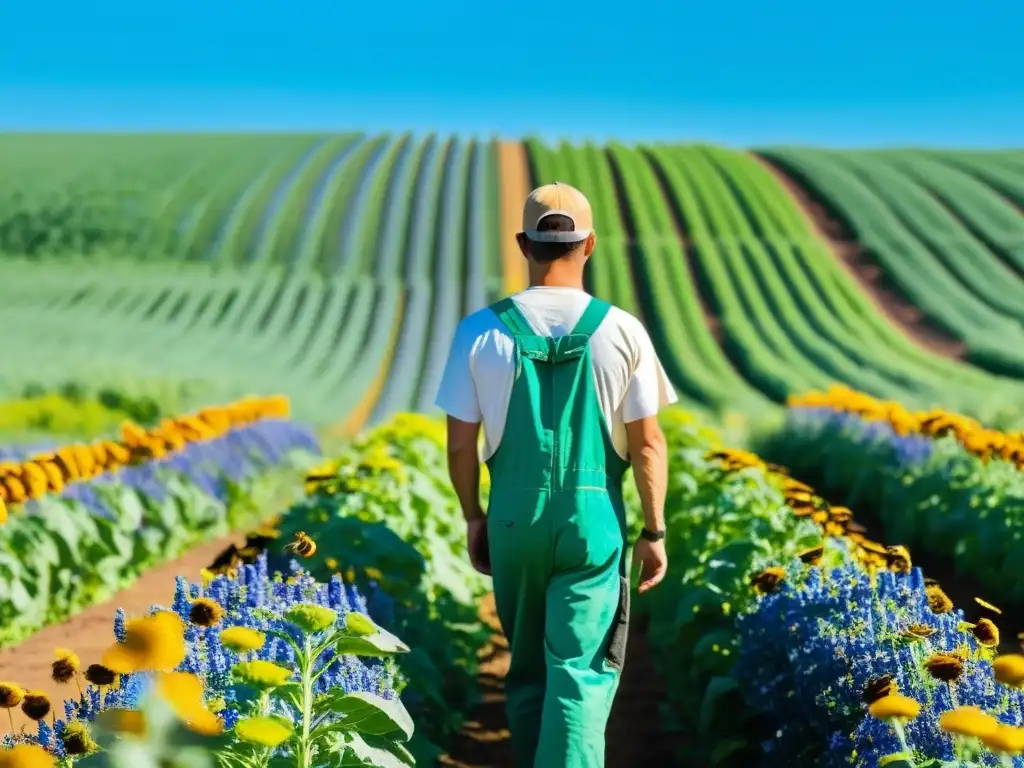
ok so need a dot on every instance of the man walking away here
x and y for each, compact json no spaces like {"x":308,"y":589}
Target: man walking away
{"x":568,"y":389}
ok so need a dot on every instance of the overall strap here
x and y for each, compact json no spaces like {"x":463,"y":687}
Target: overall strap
{"x":591,"y":318}
{"x":512,"y":317}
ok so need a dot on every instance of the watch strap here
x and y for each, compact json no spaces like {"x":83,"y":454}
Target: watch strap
{"x":652,"y":535}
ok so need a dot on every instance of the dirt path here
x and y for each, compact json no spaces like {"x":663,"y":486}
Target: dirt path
{"x":91,"y":632}
{"x":514,"y":185}
{"x":635,"y":736}
{"x":866,"y":271}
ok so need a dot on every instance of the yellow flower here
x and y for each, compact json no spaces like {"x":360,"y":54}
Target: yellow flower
{"x":261,"y":675}
{"x":205,"y":612}
{"x":310,"y":617}
{"x":77,"y":739}
{"x":184,"y":691}
{"x":877,"y":688}
{"x":240,"y":639}
{"x":26,"y":756}
{"x":986,"y":633}
{"x":265,"y":731}
{"x":1009,"y":669}
{"x":967,"y":721}
{"x":125,"y":722}
{"x":946,"y":667}
{"x":1005,"y":740}
{"x":65,"y":666}
{"x":154,"y":642}
{"x":938,"y":600}
{"x":768,"y":580}
{"x":35,"y":705}
{"x":97,"y":674}
{"x":895,"y":707}
{"x":11,"y":695}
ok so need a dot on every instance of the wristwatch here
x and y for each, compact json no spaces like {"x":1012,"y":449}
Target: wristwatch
{"x":652,"y":535}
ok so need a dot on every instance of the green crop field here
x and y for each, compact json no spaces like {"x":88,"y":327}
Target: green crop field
{"x":334,"y":268}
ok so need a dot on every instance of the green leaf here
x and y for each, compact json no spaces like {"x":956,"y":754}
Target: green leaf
{"x":380,"y":643}
{"x":370,"y":713}
{"x":717,"y":688}
{"x":355,"y":750}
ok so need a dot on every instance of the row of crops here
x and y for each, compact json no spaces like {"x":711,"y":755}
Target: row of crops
{"x":334,"y":268}
{"x":785,"y":633}
{"x":946,"y":229}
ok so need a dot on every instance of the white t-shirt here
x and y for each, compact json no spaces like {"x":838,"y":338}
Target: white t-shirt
{"x":477,"y":383}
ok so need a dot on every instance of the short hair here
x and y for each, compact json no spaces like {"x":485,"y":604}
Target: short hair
{"x":546,"y":253}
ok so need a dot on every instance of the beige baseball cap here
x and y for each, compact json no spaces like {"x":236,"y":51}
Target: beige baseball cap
{"x":563,"y":200}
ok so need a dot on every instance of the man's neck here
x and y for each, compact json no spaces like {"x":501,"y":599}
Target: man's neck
{"x":555,"y":278}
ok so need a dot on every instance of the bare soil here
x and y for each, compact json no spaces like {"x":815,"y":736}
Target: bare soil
{"x":634,"y":738}
{"x":90,"y":632}
{"x":863,"y":268}
{"x":515,"y":184}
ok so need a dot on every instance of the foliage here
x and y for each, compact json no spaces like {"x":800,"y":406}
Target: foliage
{"x":929,"y":492}
{"x":385,"y":515}
{"x":67,"y":551}
{"x":815,"y":653}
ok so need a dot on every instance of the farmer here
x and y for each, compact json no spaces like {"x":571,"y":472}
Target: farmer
{"x":567,"y":389}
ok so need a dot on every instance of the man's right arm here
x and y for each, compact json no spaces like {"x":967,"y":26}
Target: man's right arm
{"x":648,"y":454}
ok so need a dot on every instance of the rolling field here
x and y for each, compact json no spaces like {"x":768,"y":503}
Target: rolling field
{"x":334,"y":268}
{"x":220,"y":471}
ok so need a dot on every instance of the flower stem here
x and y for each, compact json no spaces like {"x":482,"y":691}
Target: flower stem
{"x":307,"y":701}
{"x":11,"y":716}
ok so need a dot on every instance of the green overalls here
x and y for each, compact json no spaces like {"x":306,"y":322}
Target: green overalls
{"x":557,"y":532}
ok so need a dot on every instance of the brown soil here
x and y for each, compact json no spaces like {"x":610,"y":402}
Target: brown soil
{"x":515,"y":184}
{"x":634,"y":738}
{"x":91,"y":632}
{"x":866,"y":271}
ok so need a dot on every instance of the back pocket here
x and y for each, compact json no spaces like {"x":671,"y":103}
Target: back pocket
{"x":616,"y":655}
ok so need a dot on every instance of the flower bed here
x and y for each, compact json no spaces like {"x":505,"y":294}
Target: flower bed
{"x":966,"y":507}
{"x":266,"y":670}
{"x":66,"y":550}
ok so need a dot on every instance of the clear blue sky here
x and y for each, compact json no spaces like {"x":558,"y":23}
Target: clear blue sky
{"x":867,"y":72}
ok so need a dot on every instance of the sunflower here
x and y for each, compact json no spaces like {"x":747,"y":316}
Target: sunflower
{"x":65,"y":666}
{"x":264,"y":731}
{"x":895,"y":707}
{"x":261,"y":675}
{"x":154,"y":642}
{"x":97,"y":674}
{"x":1005,"y":740}
{"x":26,"y":756}
{"x":124,"y":722}
{"x":241,"y":639}
{"x":1009,"y":669}
{"x":986,"y":633}
{"x":877,"y":688}
{"x":944,"y":666}
{"x":811,"y":556}
{"x":898,"y":559}
{"x":938,"y":600}
{"x":967,"y":721}
{"x":768,"y":580}
{"x":11,"y":695}
{"x":184,"y":692}
{"x":35,"y":705}
{"x":205,"y":612}
{"x":77,"y":739}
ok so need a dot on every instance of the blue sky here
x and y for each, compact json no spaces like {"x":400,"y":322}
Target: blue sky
{"x":747,"y":73}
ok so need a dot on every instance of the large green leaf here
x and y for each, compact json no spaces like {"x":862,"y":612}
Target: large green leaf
{"x":355,"y":750}
{"x":380,"y":643}
{"x":369,"y":713}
